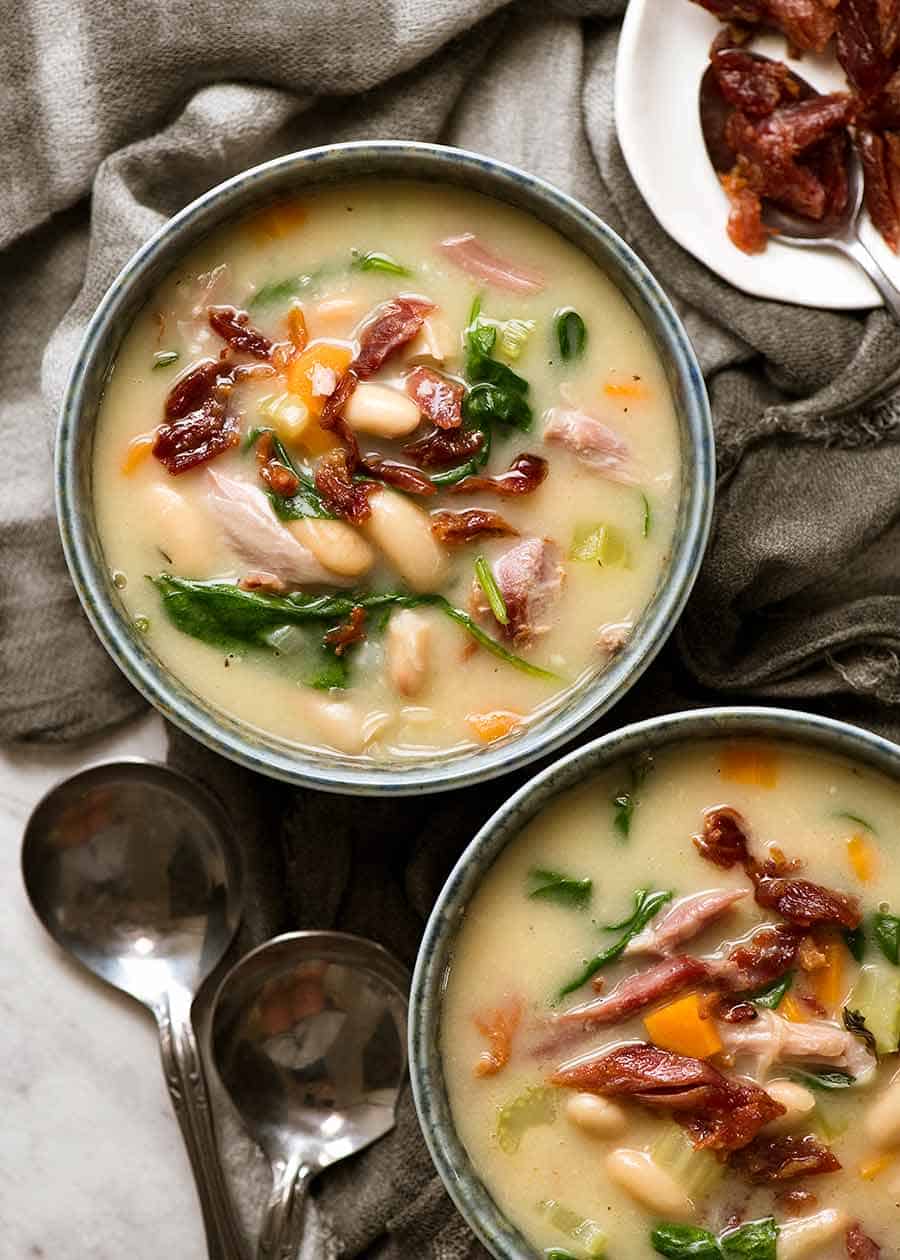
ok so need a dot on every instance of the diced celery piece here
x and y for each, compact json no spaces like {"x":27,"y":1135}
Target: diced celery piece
{"x":513,"y":335}
{"x":286,"y":640}
{"x":876,"y":996}
{"x":581,"y":1229}
{"x":697,"y":1171}
{"x":536,"y":1106}
{"x":830,"y":1121}
{"x":600,"y":544}
{"x":287,"y":413}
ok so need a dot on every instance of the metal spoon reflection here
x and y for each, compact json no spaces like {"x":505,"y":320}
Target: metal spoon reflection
{"x":131,"y":868}
{"x":840,"y":231}
{"x":309,"y":1039}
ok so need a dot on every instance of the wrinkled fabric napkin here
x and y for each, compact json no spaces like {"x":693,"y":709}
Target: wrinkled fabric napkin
{"x":111,"y":119}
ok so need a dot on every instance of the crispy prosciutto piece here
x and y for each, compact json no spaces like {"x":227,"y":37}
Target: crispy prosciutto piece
{"x":719,"y":1113}
{"x":636,"y":992}
{"x":197,"y":426}
{"x":684,"y":920}
{"x":859,"y":1245}
{"x":771,"y":1161}
{"x":442,"y":448}
{"x":808,"y":24}
{"x":436,"y":396}
{"x":455,"y":529}
{"x":351,"y":631}
{"x":867,"y":64}
{"x":769,"y":953}
{"x":346,"y":498}
{"x":772,"y":1039}
{"x":594,"y":442}
{"x":724,"y":840}
{"x":392,"y":473}
{"x":530,"y":577}
{"x":394,"y":324}
{"x":878,"y":170}
{"x":757,"y":87}
{"x":234,"y":327}
{"x":524,"y":475}
{"x":279,"y":478}
{"x":468,"y":253}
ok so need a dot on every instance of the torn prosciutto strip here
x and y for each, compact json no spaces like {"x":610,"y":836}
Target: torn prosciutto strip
{"x":685,"y":919}
{"x":454,"y":529}
{"x":197,"y":426}
{"x":769,"y":953}
{"x":524,"y":475}
{"x":530,"y":577}
{"x":594,"y":442}
{"x":755,"y":85}
{"x":719,"y":1113}
{"x":859,"y":1245}
{"x":351,"y":631}
{"x":808,"y":24}
{"x":394,"y":324}
{"x":770,"y":1161}
{"x":344,"y":497}
{"x":468,"y":253}
{"x":234,"y":327}
{"x":442,"y":448}
{"x":392,"y":473}
{"x":436,"y":396}
{"x":636,"y":992}
{"x":724,"y":839}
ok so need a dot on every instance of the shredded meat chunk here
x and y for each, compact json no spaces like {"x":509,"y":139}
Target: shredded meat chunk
{"x":636,"y":992}
{"x":529,"y":576}
{"x":719,"y":1113}
{"x":757,"y":87}
{"x":395,"y":323}
{"x":724,"y":840}
{"x":808,"y":24}
{"x":454,"y":529}
{"x":767,"y":1161}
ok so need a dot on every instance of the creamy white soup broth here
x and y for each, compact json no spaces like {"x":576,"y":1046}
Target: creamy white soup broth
{"x":727,"y":1086}
{"x":451,"y":611}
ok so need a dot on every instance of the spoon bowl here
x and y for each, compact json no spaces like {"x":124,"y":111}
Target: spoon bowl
{"x":132,"y":870}
{"x":309,"y":1040}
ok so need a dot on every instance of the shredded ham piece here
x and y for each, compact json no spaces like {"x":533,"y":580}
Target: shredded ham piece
{"x":348,"y":632}
{"x":530,"y":577}
{"x":594,"y":442}
{"x":771,"y":1038}
{"x":468,"y":253}
{"x":684,"y":920}
{"x":635,"y":992}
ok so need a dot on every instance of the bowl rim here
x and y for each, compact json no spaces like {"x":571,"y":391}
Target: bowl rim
{"x":456,"y":1170}
{"x":422,"y":160}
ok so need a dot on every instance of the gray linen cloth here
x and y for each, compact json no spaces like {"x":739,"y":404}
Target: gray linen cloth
{"x":111,"y":118}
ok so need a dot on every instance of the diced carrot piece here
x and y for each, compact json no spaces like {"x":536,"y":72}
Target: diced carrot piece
{"x":493,"y":725}
{"x":793,"y":1010}
{"x":863,"y":857}
{"x":828,"y":981}
{"x":874,"y":1165}
{"x":297,"y":332}
{"x":137,"y":451}
{"x":326,"y":354}
{"x":752,"y":764}
{"x":633,"y":389}
{"x":277,"y":221}
{"x":684,"y":1027}
{"x":499,"y":1027}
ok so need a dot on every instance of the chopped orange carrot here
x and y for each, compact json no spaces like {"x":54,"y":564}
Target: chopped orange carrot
{"x":634,"y":389}
{"x":137,"y":451}
{"x":863,"y":857}
{"x":828,"y":981}
{"x":296,"y":322}
{"x":499,"y":1027}
{"x":793,"y":1010}
{"x":321,"y":354}
{"x":277,"y":221}
{"x":873,"y":1165}
{"x":753,"y":764}
{"x":684,"y":1027}
{"x":493,"y":725}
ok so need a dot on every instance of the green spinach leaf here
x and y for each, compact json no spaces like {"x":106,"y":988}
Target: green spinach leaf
{"x":886,"y":930}
{"x":833,"y":1079}
{"x":571,"y":334}
{"x":566,"y":890}
{"x":163,"y":358}
{"x":306,"y":501}
{"x":855,"y":940}
{"x":770,"y":995}
{"x":685,"y":1242}
{"x":647,"y":903}
{"x":375,"y":261}
{"x":756,"y":1240}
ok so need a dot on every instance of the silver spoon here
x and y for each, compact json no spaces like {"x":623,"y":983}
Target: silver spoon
{"x":309,"y":1039}
{"x":840,"y":232}
{"x":131,"y":868}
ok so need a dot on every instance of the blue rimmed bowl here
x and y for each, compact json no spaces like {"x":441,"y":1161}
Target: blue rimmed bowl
{"x":132,"y":288}
{"x":461,"y":1178}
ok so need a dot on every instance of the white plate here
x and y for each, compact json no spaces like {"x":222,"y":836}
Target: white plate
{"x":663,"y":51}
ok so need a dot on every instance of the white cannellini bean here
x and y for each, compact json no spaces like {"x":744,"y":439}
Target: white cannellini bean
{"x":407,"y":644}
{"x":882,"y":1119}
{"x":403,"y":532}
{"x":183,"y":529}
{"x":381,"y":411}
{"x":797,"y":1100}
{"x":637,"y":1174}
{"x":600,"y":1117}
{"x":336,"y":545}
{"x":806,"y":1236}
{"x":433,"y":343}
{"x":343,"y":725}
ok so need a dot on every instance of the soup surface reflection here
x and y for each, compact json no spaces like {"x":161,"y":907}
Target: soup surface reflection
{"x":672,"y":1017}
{"x":402,"y":464}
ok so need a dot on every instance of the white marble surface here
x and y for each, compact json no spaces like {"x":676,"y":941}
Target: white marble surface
{"x":91,"y":1161}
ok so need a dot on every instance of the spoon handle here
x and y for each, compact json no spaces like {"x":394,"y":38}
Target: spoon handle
{"x":283,"y":1216}
{"x":854,"y":248}
{"x":187,"y":1087}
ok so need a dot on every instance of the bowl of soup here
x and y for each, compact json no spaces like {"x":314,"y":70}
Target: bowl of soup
{"x":656,"y":1010}
{"x":384,"y":467}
